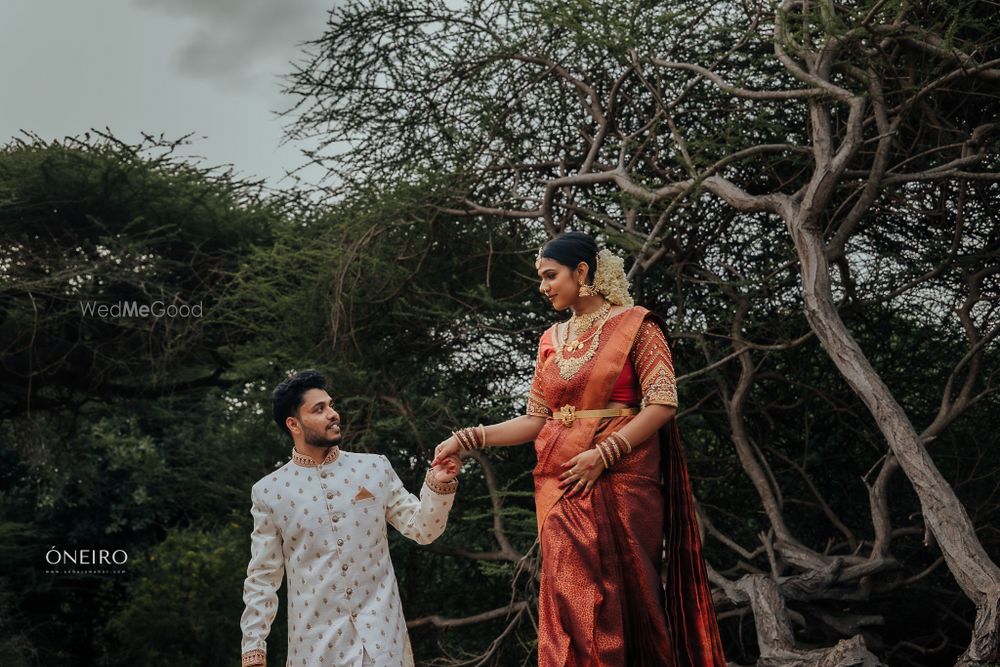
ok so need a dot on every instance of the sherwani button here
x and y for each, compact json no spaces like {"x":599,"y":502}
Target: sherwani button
{"x":344,"y":567}
{"x":323,"y":474}
{"x":354,"y":614}
{"x":340,"y":543}
{"x":350,"y":590}
{"x":330,"y":495}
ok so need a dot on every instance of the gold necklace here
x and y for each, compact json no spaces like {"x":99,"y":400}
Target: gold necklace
{"x":569,"y":367}
{"x":581,"y":323}
{"x":577,"y":343}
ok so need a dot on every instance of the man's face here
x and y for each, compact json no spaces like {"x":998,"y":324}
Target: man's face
{"x":319,"y":422}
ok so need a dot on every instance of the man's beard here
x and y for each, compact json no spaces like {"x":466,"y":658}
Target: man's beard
{"x":320,"y":438}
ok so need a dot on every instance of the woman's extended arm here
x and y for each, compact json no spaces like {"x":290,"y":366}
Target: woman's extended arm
{"x":514,"y":431}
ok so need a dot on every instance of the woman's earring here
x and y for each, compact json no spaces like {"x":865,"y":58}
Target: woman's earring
{"x":586,"y":290}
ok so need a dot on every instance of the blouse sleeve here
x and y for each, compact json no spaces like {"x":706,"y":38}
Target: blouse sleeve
{"x":537,"y":407}
{"x":654,"y":365}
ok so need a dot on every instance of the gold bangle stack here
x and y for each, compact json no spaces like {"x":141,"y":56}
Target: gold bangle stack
{"x":613,"y":448}
{"x":604,"y":457}
{"x":471,"y":437}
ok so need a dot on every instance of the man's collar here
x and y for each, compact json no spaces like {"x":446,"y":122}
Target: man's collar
{"x":307,"y":461}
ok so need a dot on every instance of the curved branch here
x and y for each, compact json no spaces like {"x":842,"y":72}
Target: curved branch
{"x":745,"y":93}
{"x":445,"y":622}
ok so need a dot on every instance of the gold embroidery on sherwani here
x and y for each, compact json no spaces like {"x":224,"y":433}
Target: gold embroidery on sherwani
{"x":307,"y":461}
{"x":444,"y":488}
{"x":254,"y":657}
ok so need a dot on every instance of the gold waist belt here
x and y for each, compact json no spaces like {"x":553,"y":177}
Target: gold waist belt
{"x":568,"y":414}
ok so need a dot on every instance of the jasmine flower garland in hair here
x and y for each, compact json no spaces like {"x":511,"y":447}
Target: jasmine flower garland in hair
{"x":610,"y":280}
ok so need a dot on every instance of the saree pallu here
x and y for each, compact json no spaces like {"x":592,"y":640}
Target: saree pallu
{"x":607,"y":556}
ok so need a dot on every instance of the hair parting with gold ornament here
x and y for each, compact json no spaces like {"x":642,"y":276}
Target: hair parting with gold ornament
{"x":606,"y":269}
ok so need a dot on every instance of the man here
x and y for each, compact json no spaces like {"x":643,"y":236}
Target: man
{"x":321,"y":518}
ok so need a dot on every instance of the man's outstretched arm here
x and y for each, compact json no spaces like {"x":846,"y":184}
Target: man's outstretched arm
{"x":421,"y":519}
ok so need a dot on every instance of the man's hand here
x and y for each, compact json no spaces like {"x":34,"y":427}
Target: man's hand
{"x":447,"y":469}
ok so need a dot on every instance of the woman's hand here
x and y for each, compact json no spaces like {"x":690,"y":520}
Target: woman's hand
{"x":447,"y":470}
{"x":583,"y":471}
{"x":447,"y":448}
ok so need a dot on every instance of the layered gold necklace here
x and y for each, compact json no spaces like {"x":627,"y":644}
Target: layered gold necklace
{"x":568,"y":366}
{"x":581,"y":323}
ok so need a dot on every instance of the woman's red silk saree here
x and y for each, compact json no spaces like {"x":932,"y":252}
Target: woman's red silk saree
{"x":623,"y":579}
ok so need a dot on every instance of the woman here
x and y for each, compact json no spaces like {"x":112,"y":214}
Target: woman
{"x":611,"y":483}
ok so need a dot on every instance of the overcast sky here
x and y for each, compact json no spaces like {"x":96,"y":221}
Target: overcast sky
{"x":211,"y":67}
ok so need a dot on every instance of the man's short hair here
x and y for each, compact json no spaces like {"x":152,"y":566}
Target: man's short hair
{"x":287,"y":396}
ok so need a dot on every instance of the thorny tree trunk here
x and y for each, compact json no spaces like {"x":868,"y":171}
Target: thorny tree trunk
{"x":944,"y":514}
{"x":774,"y":633}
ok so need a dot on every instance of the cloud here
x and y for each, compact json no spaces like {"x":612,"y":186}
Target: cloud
{"x":243,"y":44}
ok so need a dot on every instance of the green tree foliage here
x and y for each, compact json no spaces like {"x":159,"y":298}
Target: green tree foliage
{"x":115,"y":429}
{"x":182,"y":600}
{"x":408,"y":314}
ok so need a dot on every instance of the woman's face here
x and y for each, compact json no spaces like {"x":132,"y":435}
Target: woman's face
{"x":559,"y":284}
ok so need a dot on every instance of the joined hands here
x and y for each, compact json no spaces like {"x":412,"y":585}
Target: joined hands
{"x":446,"y":467}
{"x":448,"y":449}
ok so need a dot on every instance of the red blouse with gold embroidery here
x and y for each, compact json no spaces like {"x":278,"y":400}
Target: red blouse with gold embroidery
{"x":647,"y":378}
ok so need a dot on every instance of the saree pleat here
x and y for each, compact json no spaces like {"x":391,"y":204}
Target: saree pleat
{"x":607,"y":596}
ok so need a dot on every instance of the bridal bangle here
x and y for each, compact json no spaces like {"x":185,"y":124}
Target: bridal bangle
{"x":471,"y":438}
{"x":613,"y":448}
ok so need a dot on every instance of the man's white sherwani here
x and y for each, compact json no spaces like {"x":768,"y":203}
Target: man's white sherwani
{"x":325,"y":527}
